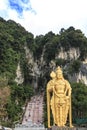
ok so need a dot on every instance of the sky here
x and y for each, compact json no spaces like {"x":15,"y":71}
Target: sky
{"x":42,"y":16}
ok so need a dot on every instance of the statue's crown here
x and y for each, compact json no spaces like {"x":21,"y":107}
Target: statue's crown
{"x":58,"y":70}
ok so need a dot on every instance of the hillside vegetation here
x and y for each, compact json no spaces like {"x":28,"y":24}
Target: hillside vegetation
{"x":36,"y":62}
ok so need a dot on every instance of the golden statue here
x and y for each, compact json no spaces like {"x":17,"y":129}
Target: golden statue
{"x":60,"y":101}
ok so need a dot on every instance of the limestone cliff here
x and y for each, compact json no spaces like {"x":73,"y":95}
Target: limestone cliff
{"x":39,"y":68}
{"x":19,"y":75}
{"x":72,"y":54}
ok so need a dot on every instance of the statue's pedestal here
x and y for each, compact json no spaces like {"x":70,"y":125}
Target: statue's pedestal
{"x":61,"y":128}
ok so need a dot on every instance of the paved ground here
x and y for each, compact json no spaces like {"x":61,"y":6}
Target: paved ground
{"x":34,"y":110}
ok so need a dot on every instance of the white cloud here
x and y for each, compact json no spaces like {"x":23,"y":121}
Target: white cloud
{"x":3,"y":4}
{"x":48,"y":15}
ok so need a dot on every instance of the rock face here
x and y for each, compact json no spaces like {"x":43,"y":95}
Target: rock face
{"x":81,"y":75}
{"x":72,"y":53}
{"x":39,"y":68}
{"x":19,"y":76}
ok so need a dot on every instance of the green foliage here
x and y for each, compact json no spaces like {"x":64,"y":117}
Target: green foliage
{"x":19,"y":95}
{"x":45,"y":111}
{"x":51,"y":48}
{"x":51,"y":43}
{"x":74,"y":38}
{"x":79,"y":100}
{"x":74,"y":67}
{"x":47,"y":45}
{"x":38,"y":46}
{"x":30,"y":41}
{"x":13,"y":38}
{"x":60,"y":62}
{"x":28,"y":91}
{"x":13,"y":111}
{"x":3,"y":81}
{"x":48,"y":37}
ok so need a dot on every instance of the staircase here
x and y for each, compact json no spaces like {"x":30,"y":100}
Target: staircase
{"x":34,"y":111}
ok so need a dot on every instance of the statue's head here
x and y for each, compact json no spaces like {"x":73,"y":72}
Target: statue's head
{"x":59,"y":72}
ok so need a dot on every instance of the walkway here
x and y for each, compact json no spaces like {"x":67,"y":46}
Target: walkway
{"x":34,"y":111}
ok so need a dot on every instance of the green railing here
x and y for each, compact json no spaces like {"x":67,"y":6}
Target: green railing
{"x":79,"y":121}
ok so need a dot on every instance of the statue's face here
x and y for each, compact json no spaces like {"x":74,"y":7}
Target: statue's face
{"x":59,"y":75}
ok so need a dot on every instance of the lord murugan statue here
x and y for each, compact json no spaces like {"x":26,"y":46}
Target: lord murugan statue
{"x":59,"y":99}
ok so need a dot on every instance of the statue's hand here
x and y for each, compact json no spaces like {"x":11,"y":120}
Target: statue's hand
{"x":67,"y":97}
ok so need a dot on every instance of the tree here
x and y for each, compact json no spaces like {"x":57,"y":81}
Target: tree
{"x":79,"y":100}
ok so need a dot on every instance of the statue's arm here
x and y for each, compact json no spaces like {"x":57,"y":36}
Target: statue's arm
{"x":49,"y":86}
{"x":68,"y":88}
